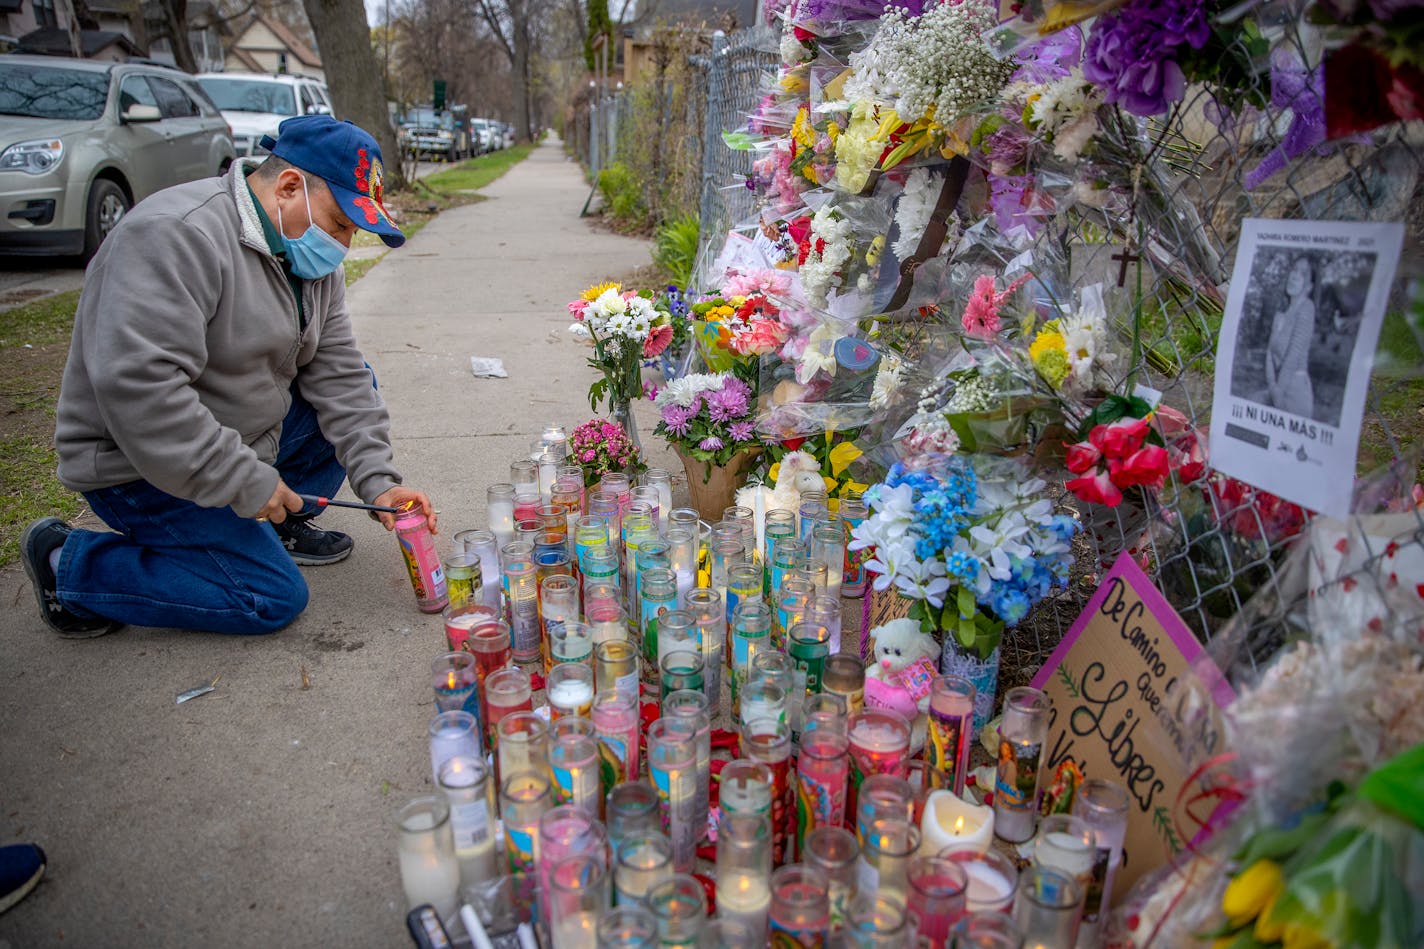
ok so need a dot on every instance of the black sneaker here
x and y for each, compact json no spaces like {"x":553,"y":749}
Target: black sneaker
{"x":21,"y":866}
{"x":311,"y":546}
{"x":41,"y":539}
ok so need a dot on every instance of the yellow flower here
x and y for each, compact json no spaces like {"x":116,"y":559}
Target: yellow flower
{"x":802,"y":132}
{"x":598,"y":289}
{"x":1045,"y":343}
{"x":736,"y":302}
{"x":1300,"y":937}
{"x":1267,"y":929}
{"x":1252,"y":891}
{"x":842,"y":455}
{"x":877,"y":247}
{"x":834,"y":131}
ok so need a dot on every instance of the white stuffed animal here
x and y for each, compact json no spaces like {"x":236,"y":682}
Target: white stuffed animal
{"x":800,"y":471}
{"x":899,"y":679}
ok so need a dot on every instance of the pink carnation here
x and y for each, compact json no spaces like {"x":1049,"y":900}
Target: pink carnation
{"x":756,"y":281}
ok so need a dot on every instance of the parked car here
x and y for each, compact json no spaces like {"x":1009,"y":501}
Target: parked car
{"x":482,"y":130}
{"x":508,"y":135}
{"x":254,"y":104}
{"x":436,"y":134}
{"x":82,"y":141}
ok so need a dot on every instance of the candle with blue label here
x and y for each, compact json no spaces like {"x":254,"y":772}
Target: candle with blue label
{"x":453,"y":676}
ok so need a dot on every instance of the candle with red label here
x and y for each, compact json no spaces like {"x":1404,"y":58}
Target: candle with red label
{"x":769,"y":742}
{"x":879,"y":744}
{"x":822,"y":773}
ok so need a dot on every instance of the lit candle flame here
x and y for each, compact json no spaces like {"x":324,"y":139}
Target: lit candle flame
{"x":959,"y":825}
{"x":451,"y":680}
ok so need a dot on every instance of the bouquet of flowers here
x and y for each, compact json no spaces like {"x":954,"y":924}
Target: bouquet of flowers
{"x":625,"y":327}
{"x":742,"y":323}
{"x":599,"y":446}
{"x":708,"y":416}
{"x":972,"y":542}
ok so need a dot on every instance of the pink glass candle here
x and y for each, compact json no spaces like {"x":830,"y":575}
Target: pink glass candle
{"x":565,"y":831}
{"x":879,"y":744}
{"x":822,"y":772}
{"x":615,"y":723}
{"x":951,"y":734}
{"x":800,"y":906}
{"x":507,"y":691}
{"x":489,"y":644}
{"x":937,"y":899}
{"x":460,"y":621}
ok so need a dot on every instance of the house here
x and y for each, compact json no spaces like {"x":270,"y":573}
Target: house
{"x":266,"y":45}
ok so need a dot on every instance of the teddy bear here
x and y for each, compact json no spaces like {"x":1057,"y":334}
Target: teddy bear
{"x":900,"y":677}
{"x":799,"y":471}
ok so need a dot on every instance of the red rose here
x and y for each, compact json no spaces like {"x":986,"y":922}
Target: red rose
{"x":1096,"y":489}
{"x":1082,"y":456}
{"x":1121,"y":438}
{"x":1147,"y":466}
{"x":791,"y":444}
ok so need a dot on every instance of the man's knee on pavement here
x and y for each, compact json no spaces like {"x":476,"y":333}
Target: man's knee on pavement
{"x":277,"y":605}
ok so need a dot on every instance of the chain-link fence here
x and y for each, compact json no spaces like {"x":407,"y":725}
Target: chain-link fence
{"x":1154,"y":214}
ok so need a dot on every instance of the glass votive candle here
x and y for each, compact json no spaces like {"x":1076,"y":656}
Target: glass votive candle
{"x":453,"y":676}
{"x":724,"y":554}
{"x":569,"y":689}
{"x":527,"y":529}
{"x":429,"y":871}
{"x":653,"y":499}
{"x":489,"y":644}
{"x":812,"y":511}
{"x":632,"y":808}
{"x":690,"y":706}
{"x":657,"y":596}
{"x":773,"y":666}
{"x":600,"y":503}
{"x":1103,"y":805}
{"x":681,"y":669}
{"x":800,"y":906}
{"x":643,"y":861}
{"x":828,"y":546}
{"x":826,"y":612}
{"x":687,"y":517}
{"x":617,"y":484}
{"x":672,"y":763}
{"x":745,"y":581}
{"x":465,"y":783}
{"x":814,"y":572}
{"x":745,"y":787}
{"x":451,"y":734}
{"x":607,"y":619}
{"x":710,"y":617}
{"x":464,"y":580}
{"x":763,"y":699}
{"x":677,"y":630}
{"x":660,"y":480}
{"x":566,"y":831}
{"x":882,"y":797}
{"x":679,"y":904}
{"x":879,"y":744}
{"x":521,"y":597}
{"x":615,"y":667}
{"x":571,"y":642}
{"x":506,"y":692}
{"x":792,"y":598}
{"x":937,"y":898}
{"x":779,"y":526}
{"x":524,"y":475}
{"x":950,"y":733}
{"x":573,"y":762}
{"x":825,"y":710}
{"x":627,"y":927}
{"x":878,"y":921}
{"x":600,"y":568}
{"x":788,"y":553}
{"x":751,"y":634}
{"x":729,"y":934}
{"x":499,"y":512}
{"x":1022,"y":732}
{"x":836,"y":853}
{"x":822,"y":772}
{"x":987,"y":931}
{"x":1048,"y":907}
{"x":993,"y":879}
{"x":808,"y":646}
{"x":523,"y":799}
{"x":769,"y":742}
{"x":745,"y":518}
{"x":460,"y":621}
{"x":578,"y":895}
{"x":853,"y":512}
{"x":885,"y":854}
{"x":522,"y":741}
{"x":615,"y":723}
{"x":558,"y":604}
{"x":744,"y":870}
{"x":1067,"y":844}
{"x":845,"y":676}
{"x":682,"y":558}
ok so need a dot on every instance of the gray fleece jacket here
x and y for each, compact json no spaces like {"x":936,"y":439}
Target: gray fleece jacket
{"x":185,"y":346}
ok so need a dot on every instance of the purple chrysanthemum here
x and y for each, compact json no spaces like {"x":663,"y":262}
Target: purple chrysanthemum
{"x":710,"y":443}
{"x":676,"y":419}
{"x":729,"y":402}
{"x":742,"y":431}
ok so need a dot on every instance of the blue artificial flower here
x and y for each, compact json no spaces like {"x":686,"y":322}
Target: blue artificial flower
{"x":1011,"y":606}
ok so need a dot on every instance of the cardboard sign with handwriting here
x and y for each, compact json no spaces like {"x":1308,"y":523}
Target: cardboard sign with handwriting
{"x":1136,"y":701}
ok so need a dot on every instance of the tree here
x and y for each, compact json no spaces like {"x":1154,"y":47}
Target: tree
{"x":353,"y":75}
{"x":598,"y":25}
{"x":517,"y":26}
{"x":173,"y":20}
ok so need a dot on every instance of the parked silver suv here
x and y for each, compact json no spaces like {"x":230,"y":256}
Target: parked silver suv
{"x":82,"y":141}
{"x":254,"y":104}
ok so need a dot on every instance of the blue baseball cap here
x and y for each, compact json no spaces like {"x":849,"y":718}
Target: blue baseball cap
{"x":347,"y":158}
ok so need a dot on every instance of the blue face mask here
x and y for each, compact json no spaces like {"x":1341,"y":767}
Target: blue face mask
{"x":316,"y":253}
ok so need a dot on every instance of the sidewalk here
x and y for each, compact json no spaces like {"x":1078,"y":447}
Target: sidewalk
{"x":260,"y":815}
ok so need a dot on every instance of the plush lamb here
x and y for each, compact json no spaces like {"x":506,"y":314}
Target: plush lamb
{"x":899,"y":679}
{"x":800,"y":471}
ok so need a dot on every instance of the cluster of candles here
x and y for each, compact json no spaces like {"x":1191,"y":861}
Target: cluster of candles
{"x":826,"y":832}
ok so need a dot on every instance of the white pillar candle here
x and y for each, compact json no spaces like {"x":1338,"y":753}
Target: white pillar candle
{"x":951,"y":821}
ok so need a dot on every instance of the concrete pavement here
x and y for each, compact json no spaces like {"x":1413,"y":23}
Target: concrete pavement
{"x":260,"y":815}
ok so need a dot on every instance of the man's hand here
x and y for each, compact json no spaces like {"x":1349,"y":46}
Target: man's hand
{"x":283,"y":499}
{"x":398,"y":496}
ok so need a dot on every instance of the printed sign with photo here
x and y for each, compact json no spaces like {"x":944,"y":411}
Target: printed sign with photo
{"x":1294,"y":355}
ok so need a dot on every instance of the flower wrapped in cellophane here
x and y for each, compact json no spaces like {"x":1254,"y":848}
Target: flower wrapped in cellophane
{"x":625,"y":327}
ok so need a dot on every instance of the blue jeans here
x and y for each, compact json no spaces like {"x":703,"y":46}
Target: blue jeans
{"x":175,"y":564}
